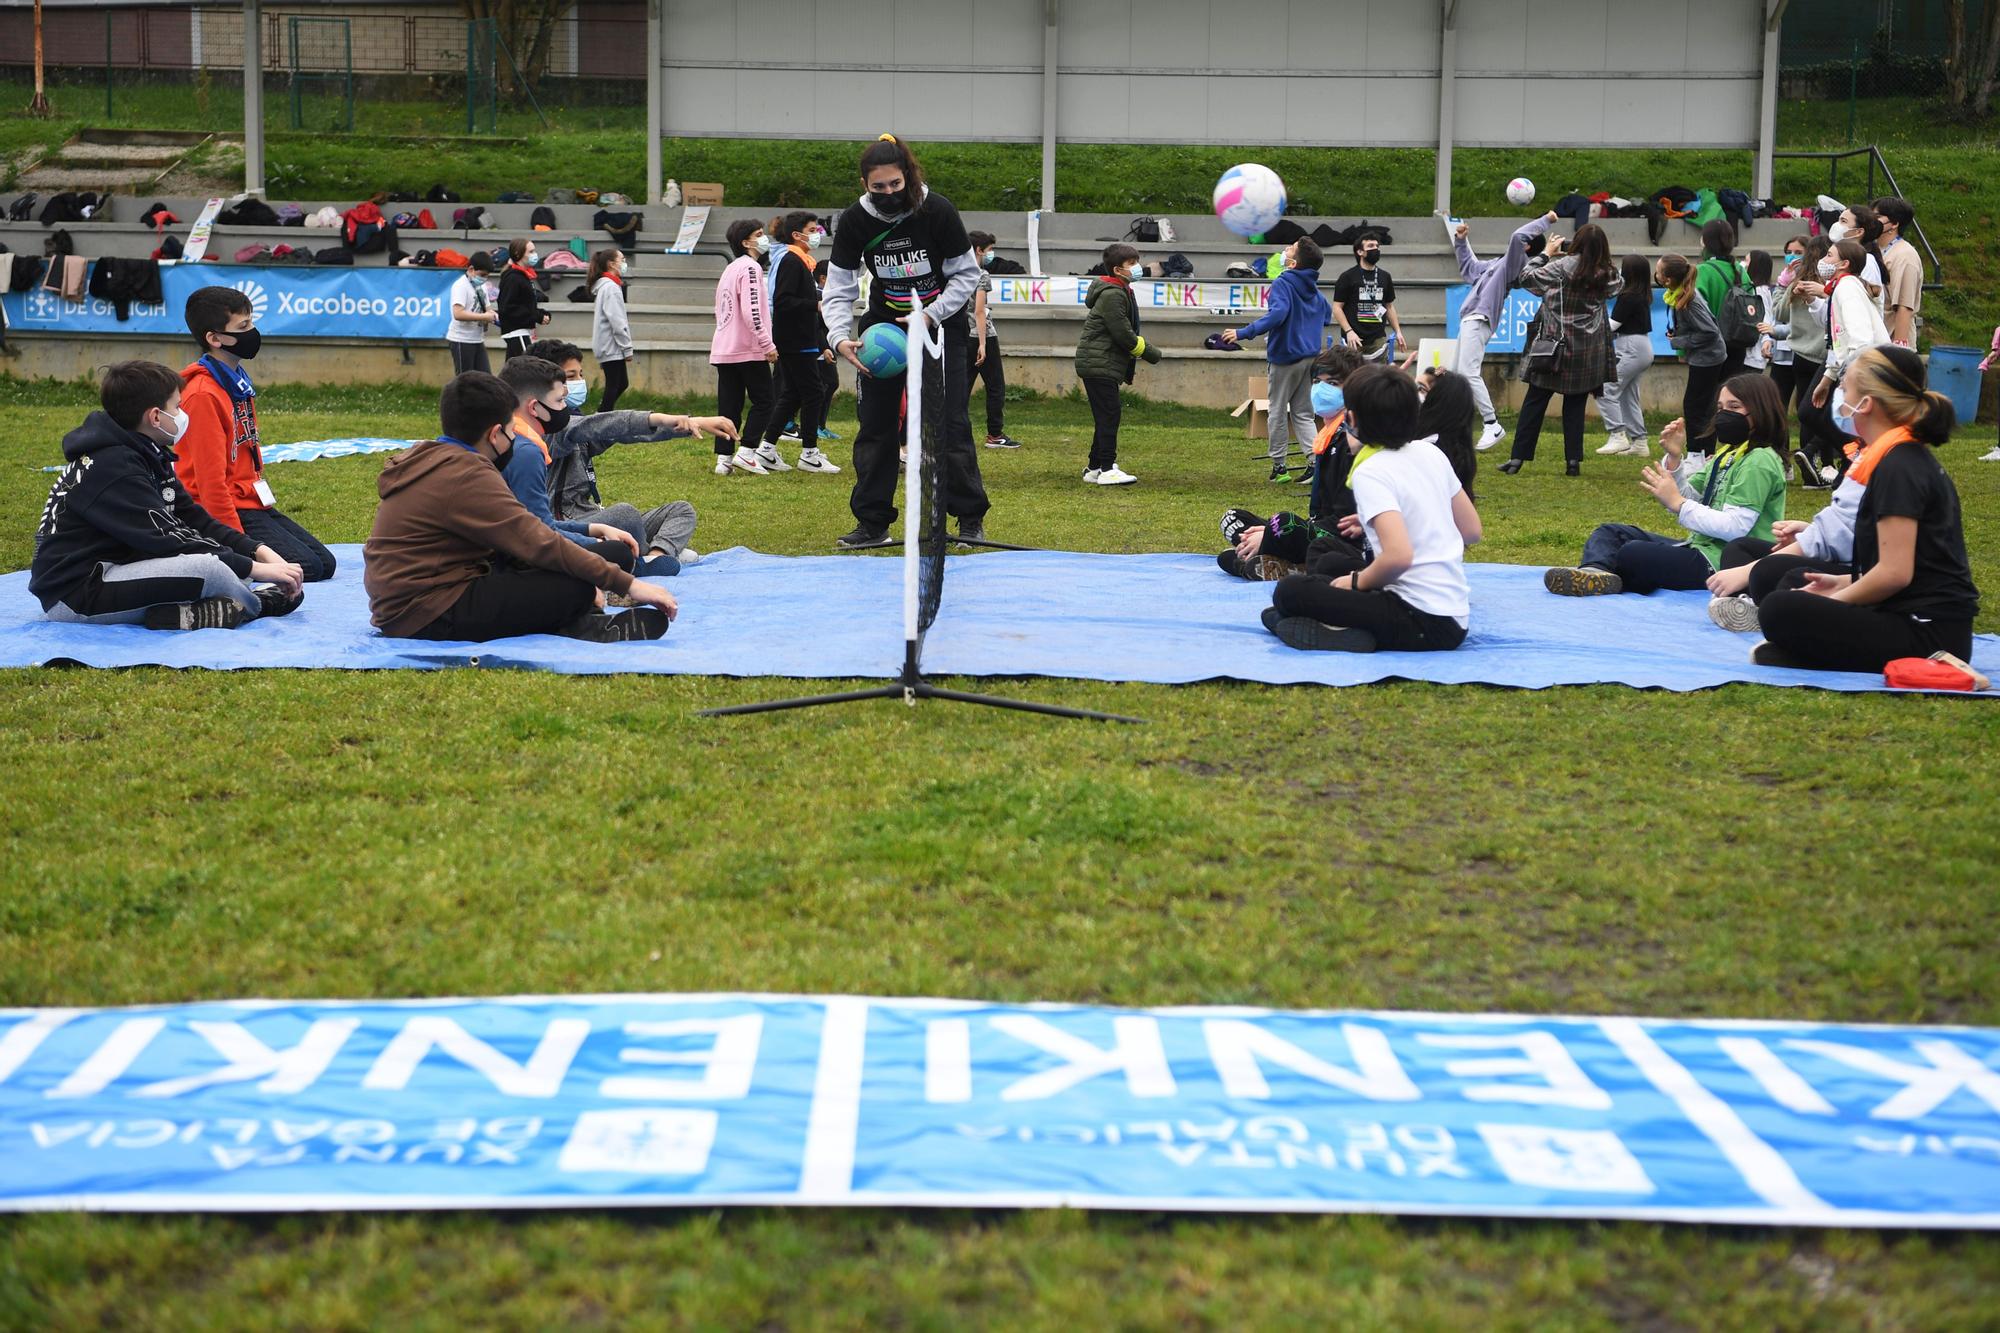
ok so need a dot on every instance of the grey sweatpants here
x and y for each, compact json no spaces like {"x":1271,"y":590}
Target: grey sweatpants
{"x":1620,"y":404}
{"x":667,"y":528}
{"x":1291,"y":406}
{"x":127,"y":592}
{"x":1474,"y":332}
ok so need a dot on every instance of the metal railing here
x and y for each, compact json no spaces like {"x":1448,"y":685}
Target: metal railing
{"x":1833,"y":158}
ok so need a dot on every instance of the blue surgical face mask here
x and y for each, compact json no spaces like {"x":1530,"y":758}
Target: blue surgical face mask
{"x":575,"y":391}
{"x":1791,"y":258}
{"x":1327,"y":399}
{"x":1840,"y":414}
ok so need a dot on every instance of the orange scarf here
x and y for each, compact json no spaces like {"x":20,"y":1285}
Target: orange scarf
{"x":524,"y":424}
{"x":1863,"y":466}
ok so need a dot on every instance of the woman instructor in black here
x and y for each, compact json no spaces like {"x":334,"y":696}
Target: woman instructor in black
{"x":917,"y":253}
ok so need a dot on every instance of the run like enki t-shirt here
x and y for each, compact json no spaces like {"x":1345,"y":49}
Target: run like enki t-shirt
{"x":1417,"y":482}
{"x":904,"y":259}
{"x":469,"y":291}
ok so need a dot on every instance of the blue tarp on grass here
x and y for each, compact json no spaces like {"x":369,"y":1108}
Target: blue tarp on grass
{"x":1164,"y":619}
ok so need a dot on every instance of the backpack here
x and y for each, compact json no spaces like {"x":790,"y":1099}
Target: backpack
{"x":1742,"y":311}
{"x":252,"y":252}
{"x":403,"y":220}
{"x":290,"y":215}
{"x":586,"y":196}
{"x":1176,"y":265}
{"x":335,"y":254}
{"x":1146,"y":231}
{"x":516,"y":197}
{"x":23,"y":208}
{"x":542,"y":218}
{"x":1005,"y":267}
{"x":249,"y":213}
{"x":440,"y":195}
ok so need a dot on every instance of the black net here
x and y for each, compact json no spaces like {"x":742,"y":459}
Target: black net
{"x":930,"y":520}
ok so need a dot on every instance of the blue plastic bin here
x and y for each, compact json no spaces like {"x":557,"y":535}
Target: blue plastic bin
{"x":1955,"y":374}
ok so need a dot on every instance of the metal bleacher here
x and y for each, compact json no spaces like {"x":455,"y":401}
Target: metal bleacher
{"x":670,"y":298}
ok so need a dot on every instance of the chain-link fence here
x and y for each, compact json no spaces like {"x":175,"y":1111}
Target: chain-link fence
{"x":405,"y":66}
{"x":1875,"y":71}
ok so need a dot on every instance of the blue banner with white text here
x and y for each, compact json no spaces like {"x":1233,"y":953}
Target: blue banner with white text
{"x":289,"y":301}
{"x":1512,"y":335}
{"x":647,"y":1100}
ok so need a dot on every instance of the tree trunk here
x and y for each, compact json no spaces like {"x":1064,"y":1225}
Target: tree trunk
{"x":526,"y":27}
{"x":39,"y":106}
{"x":1989,"y":60}
{"x":1957,"y":65}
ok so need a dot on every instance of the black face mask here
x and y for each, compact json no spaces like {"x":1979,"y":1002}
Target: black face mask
{"x":1731,"y":428}
{"x":897,"y":201}
{"x":246,"y":344}
{"x":558,"y":417}
{"x":1370,"y":256}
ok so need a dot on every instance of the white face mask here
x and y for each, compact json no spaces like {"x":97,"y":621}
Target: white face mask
{"x":180,"y":427}
{"x":763,"y":245}
{"x":1827,"y":268}
{"x":814,"y":239}
{"x":1839,"y":231}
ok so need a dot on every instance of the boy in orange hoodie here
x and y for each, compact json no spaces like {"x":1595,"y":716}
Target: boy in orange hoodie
{"x":220,"y":459}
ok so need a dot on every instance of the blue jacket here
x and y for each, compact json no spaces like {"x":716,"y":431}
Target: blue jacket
{"x":1296,"y":318}
{"x":528,"y":477}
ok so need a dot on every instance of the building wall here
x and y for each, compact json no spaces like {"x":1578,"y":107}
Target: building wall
{"x":1334,"y":72}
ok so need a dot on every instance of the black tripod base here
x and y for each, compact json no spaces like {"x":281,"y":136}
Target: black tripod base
{"x":910,"y":694}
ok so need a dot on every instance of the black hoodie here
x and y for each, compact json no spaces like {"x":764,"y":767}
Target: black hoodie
{"x":117,"y":502}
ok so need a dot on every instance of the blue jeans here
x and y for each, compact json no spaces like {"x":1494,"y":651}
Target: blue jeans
{"x":1646,"y":561}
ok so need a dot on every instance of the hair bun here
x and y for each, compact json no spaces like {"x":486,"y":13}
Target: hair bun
{"x":887,"y":138}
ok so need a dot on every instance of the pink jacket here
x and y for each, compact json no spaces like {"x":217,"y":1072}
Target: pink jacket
{"x":742,"y":315}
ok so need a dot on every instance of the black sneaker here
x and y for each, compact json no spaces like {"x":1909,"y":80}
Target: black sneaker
{"x":1235,"y":522}
{"x":1770,"y":654}
{"x":971,"y":530}
{"x":208,"y":613}
{"x":1280,"y":473}
{"x":1002,"y":441}
{"x":863,"y":538}
{"x":275,"y":601}
{"x":1271,"y":618}
{"x":1308,"y":634}
{"x":640,"y":623}
{"x":1582,"y":581}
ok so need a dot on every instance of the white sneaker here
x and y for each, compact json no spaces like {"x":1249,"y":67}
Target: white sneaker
{"x":722,"y":468}
{"x":1829,"y":473}
{"x":1090,"y":476}
{"x":1637,"y":448}
{"x":1614,"y":444}
{"x":1115,"y":476}
{"x":1492,"y":435}
{"x":790,"y":434}
{"x":1738,"y":615}
{"x":1990,"y":456}
{"x":745,"y":460}
{"x":773,"y":461}
{"x":812,"y":460}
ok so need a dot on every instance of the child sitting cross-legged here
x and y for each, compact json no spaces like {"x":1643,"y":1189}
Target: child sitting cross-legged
{"x":1266,"y":550}
{"x":122,"y":541}
{"x":1737,"y":492}
{"x":1412,"y":596}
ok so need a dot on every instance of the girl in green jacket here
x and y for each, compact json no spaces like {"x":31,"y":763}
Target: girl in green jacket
{"x":1738,"y":491}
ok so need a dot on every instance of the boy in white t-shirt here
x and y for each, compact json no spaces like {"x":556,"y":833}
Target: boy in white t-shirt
{"x":1412,"y":597}
{"x":472,"y":316}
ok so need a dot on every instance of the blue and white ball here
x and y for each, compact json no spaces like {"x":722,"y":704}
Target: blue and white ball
{"x":1249,"y":199}
{"x":885,"y":350}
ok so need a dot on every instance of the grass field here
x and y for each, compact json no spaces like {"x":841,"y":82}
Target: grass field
{"x":1748,"y":852}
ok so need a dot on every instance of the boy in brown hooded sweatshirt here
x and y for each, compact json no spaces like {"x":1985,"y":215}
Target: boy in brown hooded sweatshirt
{"x":453,"y":555}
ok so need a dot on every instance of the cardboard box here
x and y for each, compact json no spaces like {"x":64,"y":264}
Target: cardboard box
{"x":701,"y":192}
{"x":1258,"y":404}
